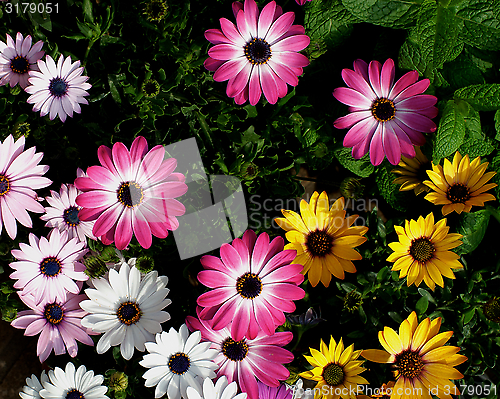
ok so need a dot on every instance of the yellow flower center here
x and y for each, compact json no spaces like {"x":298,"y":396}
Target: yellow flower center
{"x":333,"y":374}
{"x":422,"y":249}
{"x":319,"y":243}
{"x":383,"y":109}
{"x":409,"y":364}
{"x":458,"y":193}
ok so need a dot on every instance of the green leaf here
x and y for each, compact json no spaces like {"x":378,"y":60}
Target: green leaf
{"x":422,"y":305}
{"x":497,"y":124}
{"x":112,"y":81}
{"x":468,"y":315}
{"x":476,"y":148}
{"x":485,"y":97}
{"x":395,"y":14}
{"x":361,"y":167}
{"x":451,"y":131}
{"x":427,"y":294}
{"x":87,"y":11}
{"x":481,"y":23}
{"x":473,"y":227}
{"x":390,"y":191}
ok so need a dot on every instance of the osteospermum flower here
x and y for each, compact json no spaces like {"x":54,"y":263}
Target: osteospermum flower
{"x":323,"y":238}
{"x":412,"y":172}
{"x":302,"y":2}
{"x":63,"y":212}
{"x":421,"y":360}
{"x":178,"y":360}
{"x":58,"y":89}
{"x":221,"y":390}
{"x":254,"y":283}
{"x":47,"y":268}
{"x":127,"y":309}
{"x":460,"y":185}
{"x":423,"y":252}
{"x":247,"y":359}
{"x":74,"y":384}
{"x":17,"y":59}
{"x":131,"y":193}
{"x":280,"y":392}
{"x":386,"y":118}
{"x":20,"y":174}
{"x":58,"y":323}
{"x":33,"y":386}
{"x":259,"y":54}
{"x":336,"y":370}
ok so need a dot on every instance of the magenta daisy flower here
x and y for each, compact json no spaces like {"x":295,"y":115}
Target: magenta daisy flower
{"x":247,"y":360}
{"x":254,"y":284}
{"x":57,"y":322}
{"x":259,"y":54}
{"x":279,"y":392}
{"x":20,"y":174}
{"x":63,"y":212}
{"x":17,"y":59}
{"x":47,"y":268}
{"x":58,"y":89}
{"x":301,"y":2}
{"x":386,"y":118}
{"x":131,"y":193}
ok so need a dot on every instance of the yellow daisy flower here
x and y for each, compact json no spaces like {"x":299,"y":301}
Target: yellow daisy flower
{"x":423,"y":364}
{"x":323,"y":238}
{"x":412,"y":171}
{"x":422,"y":252}
{"x":336,"y":370}
{"x":460,"y":185}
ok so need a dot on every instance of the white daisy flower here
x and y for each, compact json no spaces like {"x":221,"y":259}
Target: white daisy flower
{"x":221,"y":390}
{"x":127,"y":309}
{"x":71,"y":384}
{"x":176,"y":361}
{"x":58,"y":89}
{"x":33,"y":387}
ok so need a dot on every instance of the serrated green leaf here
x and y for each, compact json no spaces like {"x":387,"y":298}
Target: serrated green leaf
{"x":390,"y":191}
{"x":463,"y":71}
{"x":395,"y":14}
{"x":476,"y":147}
{"x":485,"y":97}
{"x":481,"y":23}
{"x":361,"y":167}
{"x":473,"y":228}
{"x":451,"y":131}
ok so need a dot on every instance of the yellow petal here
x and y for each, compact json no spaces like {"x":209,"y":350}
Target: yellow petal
{"x":405,"y":334}
{"x":436,"y":341}
{"x":346,"y":355}
{"x":420,"y":335}
{"x":440,"y":354}
{"x":378,"y":356}
{"x":443,"y":371}
{"x":338,"y":351}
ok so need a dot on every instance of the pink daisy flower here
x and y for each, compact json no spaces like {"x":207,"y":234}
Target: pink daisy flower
{"x":20,"y":174}
{"x":259,"y":54}
{"x":17,"y":59}
{"x":301,"y":2}
{"x":247,"y":360}
{"x":58,"y":322}
{"x":63,"y":212}
{"x":279,"y":392}
{"x":386,"y":118}
{"x":254,"y":284}
{"x":131,"y":193}
{"x":58,"y":89}
{"x":46,"y":268}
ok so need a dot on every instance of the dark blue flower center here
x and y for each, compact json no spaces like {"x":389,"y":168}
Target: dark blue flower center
{"x":130,"y":194}
{"x":128,"y":313}
{"x":58,"y":87}
{"x":179,"y":363}
{"x":249,"y":286}
{"x":50,"y":266}
{"x":53,"y":313}
{"x":74,"y":394}
{"x":19,"y":65}
{"x":4,"y":185}
{"x":258,"y":51}
{"x":383,"y":109}
{"x":234,"y":350}
{"x":70,"y":216}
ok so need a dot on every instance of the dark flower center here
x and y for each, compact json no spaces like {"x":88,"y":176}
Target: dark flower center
{"x":74,"y":394}
{"x":4,"y":185}
{"x":53,"y":313}
{"x":19,"y":65}
{"x":319,"y":243}
{"x":130,"y":194}
{"x":151,"y":88}
{"x":70,"y":216}
{"x":409,"y":364}
{"x":156,"y":10}
{"x":179,"y":363}
{"x":50,"y":266}
{"x":422,"y":249}
{"x":383,"y":109}
{"x":129,"y":313}
{"x":258,"y":51}
{"x":458,"y":193}
{"x":234,"y":350}
{"x":352,"y":301}
{"x":249,"y":286}
{"x":58,"y":87}
{"x":333,"y":374}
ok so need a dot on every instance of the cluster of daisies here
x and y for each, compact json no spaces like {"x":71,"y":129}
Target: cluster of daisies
{"x":56,"y":89}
